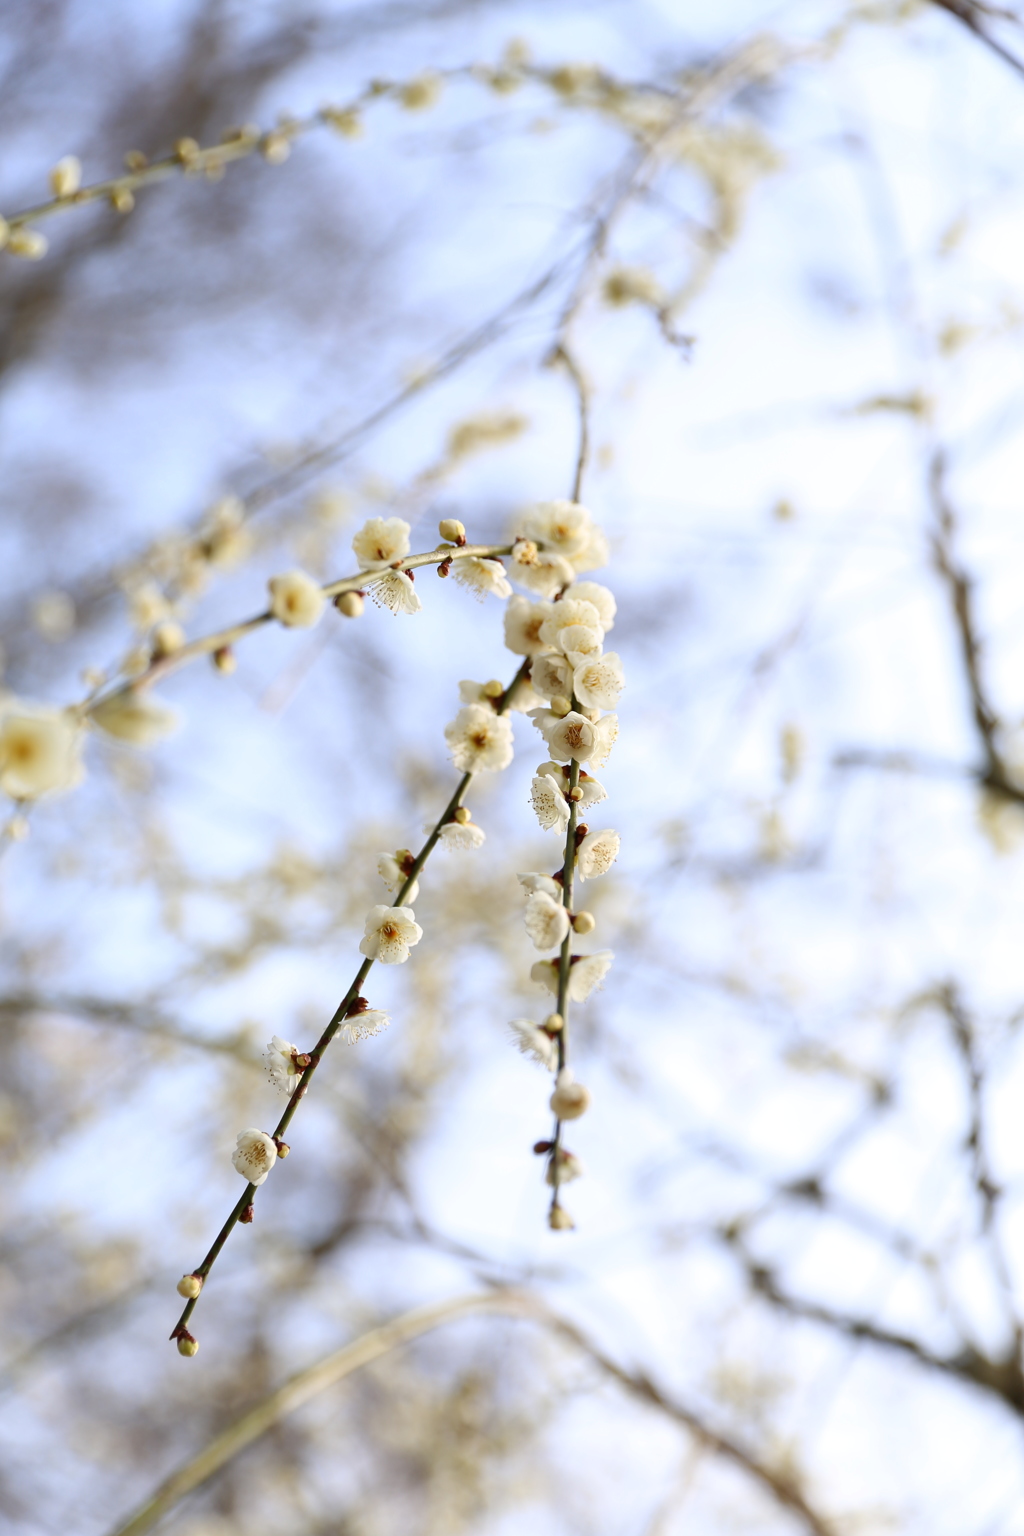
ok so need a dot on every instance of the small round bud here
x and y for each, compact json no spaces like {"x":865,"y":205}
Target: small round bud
{"x":187,"y":1345}
{"x":570,"y":1099}
{"x":28,"y":243}
{"x":524,"y":551}
{"x":135,"y":160}
{"x":168,"y":638}
{"x":66,"y":177}
{"x":574,"y":794}
{"x":351,"y":604}
{"x":493,"y":690}
{"x":553,"y":1023}
{"x":452,"y":530}
{"x":444,"y":569}
{"x":560,"y":705}
{"x":189,"y":1286}
{"x":275,"y":148}
{"x":248,"y":1214}
{"x":186,"y":151}
{"x":463,"y":815}
{"x":121,"y":200}
{"x":584,"y":922}
{"x":559,"y":1219}
{"x":225,"y":660}
{"x":282,"y":1146}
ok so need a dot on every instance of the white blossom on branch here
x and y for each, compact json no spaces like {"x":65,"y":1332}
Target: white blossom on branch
{"x":254,"y":1155}
{"x":598,"y":681}
{"x":565,"y":614}
{"x":482,"y":576}
{"x":563,"y":527}
{"x":39,"y":752}
{"x":549,"y":804}
{"x":395,"y":590}
{"x":364,"y":1025}
{"x":602,"y":599}
{"x":380,"y":542}
{"x":462,"y":836}
{"x":389,"y":935}
{"x":586,"y":973}
{"x":534,"y":1042}
{"x":597,"y":853}
{"x":393,"y":874}
{"x":523,"y":621}
{"x":479,"y":739}
{"x":531,"y":881}
{"x":547,"y":921}
{"x":296,"y":599}
{"x":282,"y":1070}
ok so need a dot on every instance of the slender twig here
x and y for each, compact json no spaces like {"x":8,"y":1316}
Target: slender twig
{"x":248,"y":1196}
{"x":973,"y":16}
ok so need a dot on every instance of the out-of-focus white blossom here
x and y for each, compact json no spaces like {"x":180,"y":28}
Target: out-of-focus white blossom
{"x":395,"y":590}
{"x":66,"y":176}
{"x":53,"y":616}
{"x":281,"y":1068}
{"x":572,"y":736}
{"x":570,"y":1099}
{"x":550,"y":805}
{"x":39,"y":751}
{"x":390,"y":934}
{"x":563,"y":1167}
{"x":547,"y":921}
{"x":351,"y":604}
{"x":551,"y":676}
{"x":562,"y":526}
{"x":479,"y":739}
{"x":482,"y":576}
{"x":134,"y":716}
{"x":602,"y":599}
{"x":598,"y":681}
{"x":534,"y":1042}
{"x":606,"y":734}
{"x":296,"y":599}
{"x":565,"y":614}
{"x":546,"y":575}
{"x":380,"y":542}
{"x":581,"y":643}
{"x":585,"y":973}
{"x":254,"y":1155}
{"x":363,"y":1026}
{"x":523,"y":620}
{"x":594,"y":555}
{"x":461,"y":836}
{"x":531,"y":881}
{"x":147,"y":604}
{"x":597,"y":853}
{"x":394,"y":876}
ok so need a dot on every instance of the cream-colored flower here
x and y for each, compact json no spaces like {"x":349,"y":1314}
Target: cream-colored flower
{"x":597,"y":853}
{"x":567,"y":613}
{"x":534,"y":1042}
{"x":551,"y":676}
{"x":461,"y":836}
{"x":581,"y":643}
{"x":133,"y":716}
{"x":39,"y":752}
{"x":570,"y":1099}
{"x":547,"y":921}
{"x":254,"y":1155}
{"x":602,"y":599}
{"x":523,"y":620}
{"x":380,"y":542}
{"x":564,"y":1167}
{"x":281,"y":1068}
{"x":147,"y":604}
{"x":586,"y":973}
{"x":549,"y":804}
{"x":482,"y":576}
{"x":606,"y":734}
{"x":572,"y":736}
{"x":546,"y":575}
{"x":390,"y":934}
{"x":598,"y":681}
{"x":395,"y":590}
{"x":394,"y":876}
{"x":591,"y":791}
{"x":479,"y":740}
{"x":562,"y":526}
{"x":531,"y":881}
{"x":594,"y":555}
{"x":296,"y":599}
{"x":363,"y":1026}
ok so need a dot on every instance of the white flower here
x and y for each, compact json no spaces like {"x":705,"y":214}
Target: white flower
{"x":363,"y":1026}
{"x":39,"y":752}
{"x":534,"y":1042}
{"x":547,"y":921}
{"x":523,"y":620}
{"x":482,"y":576}
{"x":595,"y":554}
{"x":296,"y":599}
{"x":394,"y":876}
{"x":597,"y":853}
{"x":606,"y":734}
{"x":569,"y":611}
{"x":581,"y":643}
{"x":602,"y":599}
{"x":281,"y":1068}
{"x":381,"y":542}
{"x":549,"y":804}
{"x":479,"y":739}
{"x":572,"y":736}
{"x":546,"y":575}
{"x":133,"y":716}
{"x":390,"y":934}
{"x":461,"y":835}
{"x":395,"y":590}
{"x":254,"y":1156}
{"x":564,"y":1167}
{"x":591,"y":792}
{"x":598,"y":681}
{"x":586,"y":973}
{"x":562,"y":526}
{"x":531,"y":882}
{"x":551,"y":676}
{"x":570,"y":1099}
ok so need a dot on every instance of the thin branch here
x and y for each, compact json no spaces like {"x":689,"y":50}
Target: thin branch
{"x":974,"y":15}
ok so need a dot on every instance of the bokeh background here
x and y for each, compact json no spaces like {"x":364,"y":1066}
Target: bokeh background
{"x":802,"y":1214}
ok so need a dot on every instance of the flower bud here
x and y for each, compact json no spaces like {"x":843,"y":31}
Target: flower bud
{"x":574,"y":794}
{"x":189,"y":1286}
{"x":560,"y":705}
{"x":66,"y":177}
{"x":135,"y":160}
{"x":559,"y":1219}
{"x":463,"y":815}
{"x":185,"y":151}
{"x":553,"y":1023}
{"x":493,"y":690}
{"x":351,"y":604}
{"x":584,"y":922}
{"x":121,"y":200}
{"x":28,"y":243}
{"x":524,"y":551}
{"x":187,"y":1345}
{"x":452,"y":530}
{"x":570,"y":1099}
{"x":282,"y":1147}
{"x":168,"y":638}
{"x":275,"y":148}
{"x":225,"y":660}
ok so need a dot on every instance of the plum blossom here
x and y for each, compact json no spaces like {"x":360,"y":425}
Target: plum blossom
{"x":551,"y":677}
{"x":282,"y":1070}
{"x":479,"y":739}
{"x":591,"y":791}
{"x":606,"y":734}
{"x":597,"y":853}
{"x":482,"y":576}
{"x":602,"y":599}
{"x":296,"y":599}
{"x":380,"y":542}
{"x":534,"y":1042}
{"x":547,"y":921}
{"x":563,"y":1167}
{"x":395,"y":590}
{"x":562,"y":526}
{"x":572,"y":736}
{"x":581,"y":643}
{"x":523,"y":620}
{"x":531,"y":881}
{"x":394,"y":876}
{"x":363,"y":1026}
{"x":570,"y":1099}
{"x":547,"y":574}
{"x":586,"y":973}
{"x":390,"y":934}
{"x":566,"y":613}
{"x":39,"y":752}
{"x":598,"y":681}
{"x":549,"y":804}
{"x":461,"y":836}
{"x":254,"y":1155}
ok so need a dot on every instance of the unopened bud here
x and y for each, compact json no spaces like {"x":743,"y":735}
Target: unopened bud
{"x":135,"y":160}
{"x":66,"y":176}
{"x":560,"y":705}
{"x":275,"y":148}
{"x":189,"y":1286}
{"x":121,"y":200}
{"x":574,"y":794}
{"x":524,"y":551}
{"x":187,"y":1345}
{"x":584,"y":922}
{"x":553,"y":1023}
{"x":28,"y":243}
{"x":168,"y":638}
{"x":351,"y":604}
{"x":225,"y":660}
{"x":452,"y":530}
{"x":559,"y":1219}
{"x":282,"y":1146}
{"x":542,"y":1146}
{"x":493,"y":690}
{"x":185,"y":151}
{"x":462,"y":815}
{"x":247,"y":1215}
{"x":444,"y":569}
{"x":570,"y":1099}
